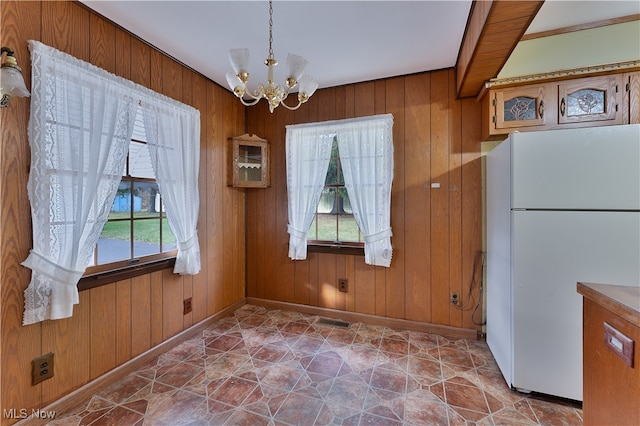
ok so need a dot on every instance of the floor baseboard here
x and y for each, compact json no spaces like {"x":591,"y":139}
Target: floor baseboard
{"x":77,"y":396}
{"x":443,"y":330}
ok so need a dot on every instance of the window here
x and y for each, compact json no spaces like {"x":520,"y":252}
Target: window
{"x":325,"y":161}
{"x":334,"y":222}
{"x":136,"y":230}
{"x":80,"y":133}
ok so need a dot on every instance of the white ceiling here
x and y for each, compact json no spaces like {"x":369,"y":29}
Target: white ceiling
{"x":344,"y":41}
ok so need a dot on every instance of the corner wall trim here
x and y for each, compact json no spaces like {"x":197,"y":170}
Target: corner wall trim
{"x":77,"y":396}
{"x":443,"y":330}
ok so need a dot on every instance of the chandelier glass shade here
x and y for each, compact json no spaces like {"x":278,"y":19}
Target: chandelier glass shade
{"x":275,"y":94}
{"x":11,"y":80}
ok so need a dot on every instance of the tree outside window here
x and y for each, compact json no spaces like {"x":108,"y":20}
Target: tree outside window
{"x":334,"y":222}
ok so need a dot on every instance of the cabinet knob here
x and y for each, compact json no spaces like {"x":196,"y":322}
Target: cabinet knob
{"x":562,"y":107}
{"x":541,"y":109}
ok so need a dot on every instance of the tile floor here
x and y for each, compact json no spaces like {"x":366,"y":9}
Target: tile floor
{"x":273,"y":367}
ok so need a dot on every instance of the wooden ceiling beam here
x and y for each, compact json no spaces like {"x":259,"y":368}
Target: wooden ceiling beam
{"x":493,"y":30}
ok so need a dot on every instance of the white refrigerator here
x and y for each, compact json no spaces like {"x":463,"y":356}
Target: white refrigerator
{"x":562,"y":206}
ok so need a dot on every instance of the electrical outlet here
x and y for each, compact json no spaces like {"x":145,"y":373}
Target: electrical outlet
{"x":41,"y":368}
{"x":455,"y":299}
{"x":342,"y":284}
{"x":187,"y":306}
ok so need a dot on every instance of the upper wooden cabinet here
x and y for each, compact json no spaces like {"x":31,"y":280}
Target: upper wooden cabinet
{"x":249,"y":162}
{"x":581,"y":102}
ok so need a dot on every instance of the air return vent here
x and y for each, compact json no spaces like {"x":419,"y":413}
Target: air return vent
{"x":336,"y":323}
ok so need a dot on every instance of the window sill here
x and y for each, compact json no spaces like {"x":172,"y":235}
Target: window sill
{"x":335,"y":249}
{"x":108,"y":277}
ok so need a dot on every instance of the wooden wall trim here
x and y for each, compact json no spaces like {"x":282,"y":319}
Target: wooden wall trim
{"x":442,"y":330}
{"x":74,"y":398}
{"x":581,"y":27}
{"x":148,"y":44}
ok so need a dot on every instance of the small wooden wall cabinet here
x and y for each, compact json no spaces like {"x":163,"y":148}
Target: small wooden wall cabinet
{"x":249,"y":162}
{"x":611,"y":360}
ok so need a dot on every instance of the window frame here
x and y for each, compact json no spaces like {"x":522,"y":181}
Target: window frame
{"x":329,"y":246}
{"x":101,"y":274}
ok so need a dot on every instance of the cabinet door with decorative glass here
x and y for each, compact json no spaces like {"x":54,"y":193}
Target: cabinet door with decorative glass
{"x":519,"y":107}
{"x":590,"y":99}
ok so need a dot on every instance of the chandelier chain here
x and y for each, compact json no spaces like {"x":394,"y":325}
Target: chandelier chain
{"x":270,"y":29}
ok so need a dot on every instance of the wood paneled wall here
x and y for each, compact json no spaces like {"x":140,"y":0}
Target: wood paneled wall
{"x":436,"y":232}
{"x":116,"y":322}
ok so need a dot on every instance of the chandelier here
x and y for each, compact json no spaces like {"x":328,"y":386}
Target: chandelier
{"x":275,"y":94}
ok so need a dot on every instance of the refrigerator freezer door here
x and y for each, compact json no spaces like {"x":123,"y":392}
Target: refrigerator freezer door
{"x":551,"y":252}
{"x":593,"y":168}
{"x":499,"y":312}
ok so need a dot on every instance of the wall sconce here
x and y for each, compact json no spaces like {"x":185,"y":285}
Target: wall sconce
{"x":11,"y":81}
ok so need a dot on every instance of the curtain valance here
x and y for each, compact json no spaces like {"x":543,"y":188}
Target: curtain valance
{"x":384,"y":122}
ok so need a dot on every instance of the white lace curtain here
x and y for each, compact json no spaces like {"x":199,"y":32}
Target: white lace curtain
{"x":366,"y":153}
{"x":169,"y":129}
{"x":308,"y":152}
{"x":79,"y":131}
